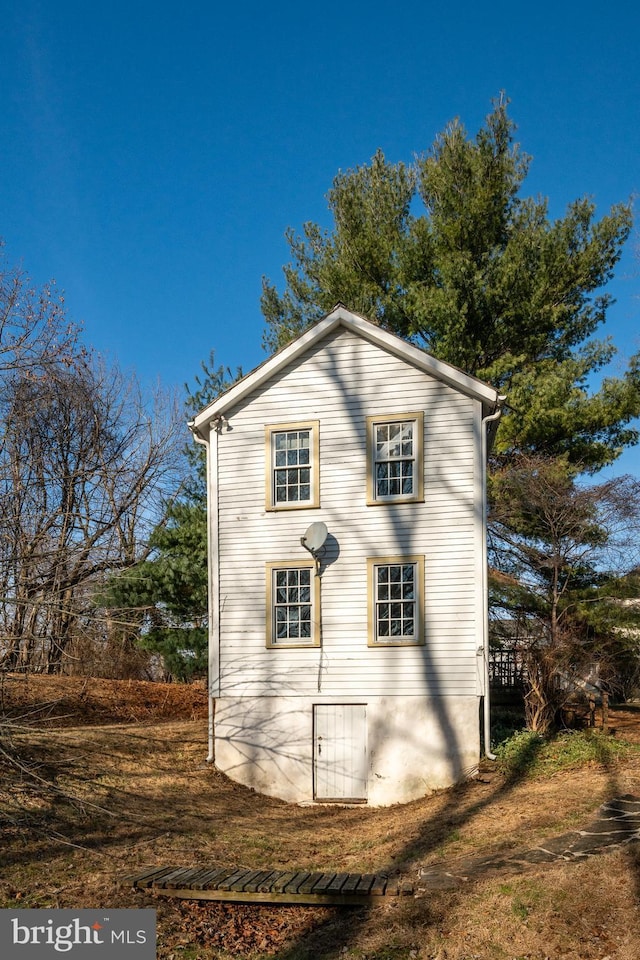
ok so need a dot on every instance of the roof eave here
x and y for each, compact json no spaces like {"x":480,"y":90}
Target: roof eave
{"x":340,"y":316}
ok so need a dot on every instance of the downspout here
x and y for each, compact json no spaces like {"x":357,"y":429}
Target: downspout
{"x":485,"y":578}
{"x":210,"y":700}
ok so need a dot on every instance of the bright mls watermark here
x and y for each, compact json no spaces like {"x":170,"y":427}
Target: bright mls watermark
{"x":78,"y":934}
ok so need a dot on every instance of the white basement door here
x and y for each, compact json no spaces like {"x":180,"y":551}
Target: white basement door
{"x":340,"y":752}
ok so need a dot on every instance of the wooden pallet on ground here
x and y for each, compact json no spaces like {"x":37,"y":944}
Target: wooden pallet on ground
{"x":270,"y":886}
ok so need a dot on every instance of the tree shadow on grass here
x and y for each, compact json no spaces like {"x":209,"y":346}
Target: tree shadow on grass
{"x":383,"y":929}
{"x":631,"y":848}
{"x":427,"y":912}
{"x":341,"y":932}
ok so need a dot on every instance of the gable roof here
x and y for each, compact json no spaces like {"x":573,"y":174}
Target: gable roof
{"x":340,"y":316}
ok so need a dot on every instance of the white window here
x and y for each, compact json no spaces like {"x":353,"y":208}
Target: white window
{"x":292,"y":605}
{"x":394,"y":458}
{"x":396,"y":587}
{"x":293,"y":471}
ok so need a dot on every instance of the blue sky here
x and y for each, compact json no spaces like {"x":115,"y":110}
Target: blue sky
{"x":154,"y":153}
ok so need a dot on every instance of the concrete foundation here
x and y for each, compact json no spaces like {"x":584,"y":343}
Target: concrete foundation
{"x":412,"y":746}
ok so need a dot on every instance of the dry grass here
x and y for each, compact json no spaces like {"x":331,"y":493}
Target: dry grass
{"x":92,"y":804}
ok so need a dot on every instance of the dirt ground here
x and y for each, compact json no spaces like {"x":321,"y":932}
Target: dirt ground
{"x":73,"y":701}
{"x":99,"y":779}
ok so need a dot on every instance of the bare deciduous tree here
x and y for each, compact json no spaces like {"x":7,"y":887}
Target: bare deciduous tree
{"x":34,"y":333}
{"x":565,"y":555}
{"x":85,"y":462}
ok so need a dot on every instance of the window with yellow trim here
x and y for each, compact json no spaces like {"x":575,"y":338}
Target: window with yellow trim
{"x":396,"y":586}
{"x":395,"y":458}
{"x":293,"y":468}
{"x":293,"y":605}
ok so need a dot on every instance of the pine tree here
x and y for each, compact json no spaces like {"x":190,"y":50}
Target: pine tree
{"x":446,"y":252}
{"x":162,"y":601}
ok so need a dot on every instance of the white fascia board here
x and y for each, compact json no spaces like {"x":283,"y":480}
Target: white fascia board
{"x":265,"y":371}
{"x":341,"y":317}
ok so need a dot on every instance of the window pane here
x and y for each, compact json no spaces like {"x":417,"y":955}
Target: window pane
{"x":407,"y":477}
{"x":382,"y":438}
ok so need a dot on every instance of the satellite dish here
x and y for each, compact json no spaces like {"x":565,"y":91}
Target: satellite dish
{"x":314,"y":537}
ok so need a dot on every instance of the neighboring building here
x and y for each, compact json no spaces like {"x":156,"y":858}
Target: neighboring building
{"x":352,"y":673}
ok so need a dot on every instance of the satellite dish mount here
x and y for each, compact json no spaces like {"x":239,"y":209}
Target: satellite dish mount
{"x":314,"y":541}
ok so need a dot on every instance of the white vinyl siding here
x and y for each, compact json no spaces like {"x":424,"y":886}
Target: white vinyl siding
{"x":340,"y":383}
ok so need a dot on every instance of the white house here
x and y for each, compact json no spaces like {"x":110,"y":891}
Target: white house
{"x":348,"y":639}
